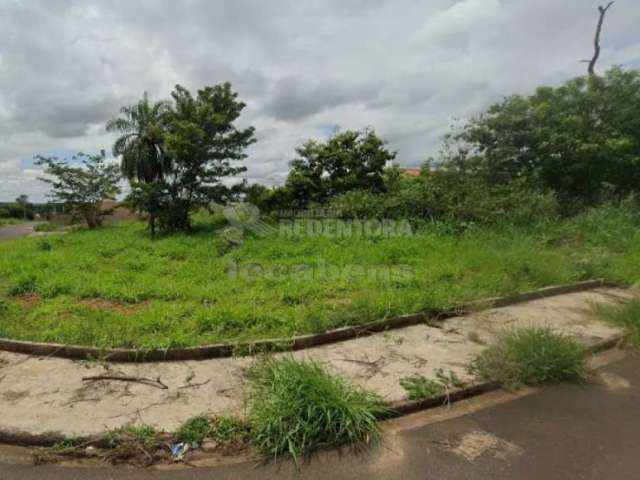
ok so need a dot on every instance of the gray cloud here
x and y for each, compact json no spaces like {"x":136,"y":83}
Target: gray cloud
{"x":406,"y":68}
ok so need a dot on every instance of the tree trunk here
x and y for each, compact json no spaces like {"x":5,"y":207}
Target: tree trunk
{"x":596,"y":41}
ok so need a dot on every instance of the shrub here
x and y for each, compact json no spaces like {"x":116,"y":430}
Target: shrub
{"x":532,"y":356}
{"x":357,"y":204}
{"x":297,"y":407}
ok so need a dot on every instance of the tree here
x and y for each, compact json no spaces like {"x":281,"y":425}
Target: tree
{"x":204,"y":146}
{"x":142,"y":127}
{"x":580,"y":140}
{"x":83,"y":188}
{"x":177,"y":153}
{"x":350,"y":160}
{"x":143,"y":161}
{"x":23,"y":203}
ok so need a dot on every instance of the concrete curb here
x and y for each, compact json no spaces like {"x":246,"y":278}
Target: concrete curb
{"x":285,"y":344}
{"x":398,"y":409}
{"x":394,"y":409}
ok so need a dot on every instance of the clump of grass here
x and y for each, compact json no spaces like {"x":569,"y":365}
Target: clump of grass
{"x":531,"y":356}
{"x":46,"y":227}
{"x":229,"y":431}
{"x":137,"y":444}
{"x":418,"y":387}
{"x":626,"y":316}
{"x":225,"y":431}
{"x":194,"y":430}
{"x":297,"y":407}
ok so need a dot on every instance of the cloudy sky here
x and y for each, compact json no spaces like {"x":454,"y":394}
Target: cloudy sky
{"x":408,"y":68}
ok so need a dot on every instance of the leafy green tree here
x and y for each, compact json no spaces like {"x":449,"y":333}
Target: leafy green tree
{"x":580,"y":140}
{"x":83,"y":188}
{"x":192,"y":145}
{"x":205,"y":147}
{"x":350,"y":160}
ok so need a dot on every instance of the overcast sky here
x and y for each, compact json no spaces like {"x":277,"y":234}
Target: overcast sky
{"x":408,"y":68}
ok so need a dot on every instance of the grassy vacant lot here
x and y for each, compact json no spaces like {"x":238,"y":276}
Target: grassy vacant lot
{"x":116,"y":287}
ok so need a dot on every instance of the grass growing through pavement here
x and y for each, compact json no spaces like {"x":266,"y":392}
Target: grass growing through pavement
{"x":626,"y":316}
{"x":418,"y":387}
{"x":298,"y":407}
{"x":531,"y":356}
{"x":115,"y":287}
{"x":225,"y":431}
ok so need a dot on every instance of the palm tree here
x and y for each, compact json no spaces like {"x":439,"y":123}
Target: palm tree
{"x":142,"y":127}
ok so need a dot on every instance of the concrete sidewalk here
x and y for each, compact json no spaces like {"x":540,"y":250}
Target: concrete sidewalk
{"x":587,"y":432}
{"x":40,"y":395}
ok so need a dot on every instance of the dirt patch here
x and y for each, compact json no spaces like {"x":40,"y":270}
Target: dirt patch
{"x":477,"y":443}
{"x":29,"y":299}
{"x":103,"y":304}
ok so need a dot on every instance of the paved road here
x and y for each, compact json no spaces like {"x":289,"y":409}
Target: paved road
{"x":565,"y":432}
{"x":9,"y":232}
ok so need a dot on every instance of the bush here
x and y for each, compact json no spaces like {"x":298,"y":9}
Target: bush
{"x":357,"y":204}
{"x":297,"y":407}
{"x":532,"y":356}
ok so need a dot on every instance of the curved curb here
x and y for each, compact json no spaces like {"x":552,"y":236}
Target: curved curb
{"x":393,"y":409}
{"x":301,"y":342}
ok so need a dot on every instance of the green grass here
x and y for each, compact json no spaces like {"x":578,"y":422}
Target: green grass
{"x":296,"y":408}
{"x":226,"y":431}
{"x":531,"y":356}
{"x":418,"y":387}
{"x":9,"y":221}
{"x":626,"y":316}
{"x":194,"y":430}
{"x":115,"y":287}
{"x":47,"y":227}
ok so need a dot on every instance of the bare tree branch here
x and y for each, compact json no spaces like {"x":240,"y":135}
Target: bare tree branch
{"x":596,"y":41}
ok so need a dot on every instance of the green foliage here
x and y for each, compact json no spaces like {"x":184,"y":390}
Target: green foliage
{"x":229,"y":431}
{"x":297,"y":407}
{"x":350,"y":160}
{"x":579,"y":140}
{"x":175,"y":154}
{"x":445,"y":195}
{"x":194,"y":430}
{"x":142,"y":127}
{"x":46,"y":227}
{"x":626,"y":316}
{"x":418,"y":387}
{"x":84,"y":188}
{"x":144,"y":436}
{"x":192,"y":289}
{"x":531,"y":356}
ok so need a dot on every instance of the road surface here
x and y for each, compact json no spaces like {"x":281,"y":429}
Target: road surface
{"x":9,"y":232}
